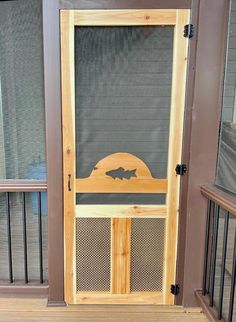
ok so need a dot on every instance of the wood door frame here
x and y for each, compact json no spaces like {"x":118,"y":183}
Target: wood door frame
{"x":69,"y":19}
{"x":52,"y":91}
{"x":209,"y":18}
{"x":178,"y":97}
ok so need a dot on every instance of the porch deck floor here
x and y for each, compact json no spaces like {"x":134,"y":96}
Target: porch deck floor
{"x":35,"y":309}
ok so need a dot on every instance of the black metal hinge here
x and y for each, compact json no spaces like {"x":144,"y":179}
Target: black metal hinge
{"x":188,"y":31}
{"x":174,"y":289}
{"x":181,"y":169}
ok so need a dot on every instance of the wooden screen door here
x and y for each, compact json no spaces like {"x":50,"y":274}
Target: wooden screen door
{"x":123,"y":94}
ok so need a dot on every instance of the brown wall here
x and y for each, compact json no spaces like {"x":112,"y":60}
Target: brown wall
{"x":52,"y":85}
{"x":202,"y":140}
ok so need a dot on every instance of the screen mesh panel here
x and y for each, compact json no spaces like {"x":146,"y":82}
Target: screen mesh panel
{"x":93,"y":248}
{"x":123,"y":89}
{"x":22,"y":116}
{"x":147,"y":254}
{"x":123,"y":79}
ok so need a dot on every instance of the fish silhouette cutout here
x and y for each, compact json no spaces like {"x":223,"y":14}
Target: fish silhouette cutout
{"x":121,"y":173}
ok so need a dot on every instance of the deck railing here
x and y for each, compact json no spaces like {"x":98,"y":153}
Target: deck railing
{"x":23,"y":217}
{"x":219,"y":271}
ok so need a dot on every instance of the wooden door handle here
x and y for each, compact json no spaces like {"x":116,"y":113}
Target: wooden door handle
{"x":69,"y":183}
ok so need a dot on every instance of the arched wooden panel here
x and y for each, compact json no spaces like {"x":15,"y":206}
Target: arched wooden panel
{"x":121,"y":173}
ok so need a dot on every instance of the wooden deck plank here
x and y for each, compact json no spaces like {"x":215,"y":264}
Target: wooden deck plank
{"x":35,"y":309}
{"x":39,"y":317}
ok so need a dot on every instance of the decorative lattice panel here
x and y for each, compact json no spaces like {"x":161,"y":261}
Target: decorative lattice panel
{"x":147,"y":254}
{"x":93,"y":243}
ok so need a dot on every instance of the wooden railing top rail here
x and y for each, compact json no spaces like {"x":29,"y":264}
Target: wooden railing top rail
{"x":223,"y":199}
{"x":23,"y":185}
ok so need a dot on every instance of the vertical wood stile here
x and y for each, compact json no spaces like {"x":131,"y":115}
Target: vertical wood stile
{"x":175,"y":149}
{"x":68,"y":123}
{"x":120,"y":255}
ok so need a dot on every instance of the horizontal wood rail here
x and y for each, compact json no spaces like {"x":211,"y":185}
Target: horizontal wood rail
{"x":125,"y":17}
{"x":153,"y":298}
{"x":23,"y":185}
{"x":121,"y":211}
{"x":211,"y":312}
{"x":20,"y":289}
{"x":104,"y":185}
{"x":221,"y":198}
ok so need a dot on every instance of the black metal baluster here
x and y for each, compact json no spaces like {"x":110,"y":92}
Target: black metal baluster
{"x":206,"y":247}
{"x":214,"y":249}
{"x":222,"y":274}
{"x":25,"y":238}
{"x":9,"y":237}
{"x":212,"y":224}
{"x":40,"y":237}
{"x":232,"y":290}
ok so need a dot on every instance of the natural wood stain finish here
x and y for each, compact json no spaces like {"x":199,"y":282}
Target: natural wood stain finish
{"x":142,"y":182}
{"x":175,"y":149}
{"x":121,"y":239}
{"x":35,"y":309}
{"x":135,"y":298}
{"x":121,"y":211}
{"x":68,"y":110}
{"x":109,"y":185}
{"x":100,"y":182}
{"x":139,"y":17}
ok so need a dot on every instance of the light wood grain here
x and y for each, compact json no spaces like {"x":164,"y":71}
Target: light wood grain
{"x":68,"y":110}
{"x":139,"y":17}
{"x":121,"y":211}
{"x":116,"y":160}
{"x":125,"y":299}
{"x":12,"y":304}
{"x":109,"y":185}
{"x":35,"y":309}
{"x":100,"y":182}
{"x":175,"y":149}
{"x":92,"y":317}
{"x":120,"y":255}
{"x":40,"y":304}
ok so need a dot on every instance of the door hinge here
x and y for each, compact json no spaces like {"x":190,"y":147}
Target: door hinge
{"x":181,"y":169}
{"x":188,"y":31}
{"x":174,"y":289}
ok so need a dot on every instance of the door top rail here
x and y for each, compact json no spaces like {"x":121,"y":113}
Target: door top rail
{"x":122,"y":17}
